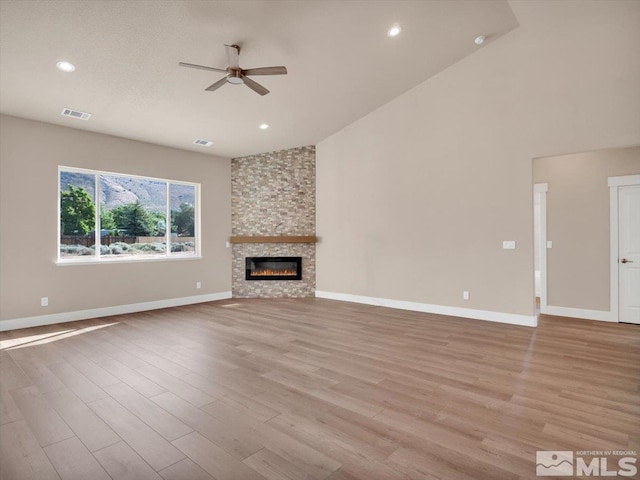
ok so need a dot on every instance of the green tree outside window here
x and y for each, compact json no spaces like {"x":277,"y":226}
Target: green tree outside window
{"x":77,"y":211}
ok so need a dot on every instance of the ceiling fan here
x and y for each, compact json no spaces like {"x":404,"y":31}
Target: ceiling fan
{"x":236,"y":75}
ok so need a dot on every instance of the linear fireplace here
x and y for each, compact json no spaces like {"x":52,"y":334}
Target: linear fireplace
{"x":273,"y":268}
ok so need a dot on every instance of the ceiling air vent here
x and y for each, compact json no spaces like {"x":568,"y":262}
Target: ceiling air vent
{"x":67,"y":112}
{"x":203,"y":143}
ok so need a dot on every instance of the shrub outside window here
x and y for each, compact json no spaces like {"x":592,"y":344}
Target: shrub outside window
{"x":109,"y":216}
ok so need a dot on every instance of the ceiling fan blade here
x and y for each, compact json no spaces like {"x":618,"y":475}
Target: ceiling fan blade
{"x":201,"y":67}
{"x":255,"y":86}
{"x":265,"y":71}
{"x":216,"y":85}
{"x":233,"y":58}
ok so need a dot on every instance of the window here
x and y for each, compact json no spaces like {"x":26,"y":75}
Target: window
{"x":109,"y":216}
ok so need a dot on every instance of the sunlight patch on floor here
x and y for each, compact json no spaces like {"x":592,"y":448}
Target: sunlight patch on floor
{"x":33,"y":340}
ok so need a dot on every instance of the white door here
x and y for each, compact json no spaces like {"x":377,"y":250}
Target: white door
{"x":629,"y":253}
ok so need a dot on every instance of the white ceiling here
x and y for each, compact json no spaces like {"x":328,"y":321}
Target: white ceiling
{"x":341,"y":64}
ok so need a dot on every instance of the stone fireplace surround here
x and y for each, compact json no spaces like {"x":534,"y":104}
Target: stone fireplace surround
{"x":274,"y":194}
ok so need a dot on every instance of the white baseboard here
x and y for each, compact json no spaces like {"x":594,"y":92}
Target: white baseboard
{"x":580,"y":313}
{"x":39,"y":320}
{"x":511,"y":318}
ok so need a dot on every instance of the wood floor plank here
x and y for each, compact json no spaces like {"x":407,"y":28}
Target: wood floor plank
{"x":145,"y":351}
{"x":243,"y":381}
{"x":241,"y":402}
{"x":73,"y":461}
{"x":114,"y":352}
{"x":338,"y":445}
{"x":213,"y":459}
{"x":305,"y":382}
{"x":354,"y":404}
{"x":621,"y":422}
{"x":185,"y":470}
{"x":132,"y":378}
{"x":87,"y":426}
{"x":284,"y":399}
{"x":9,"y":411}
{"x":149,"y":412}
{"x":11,"y":374}
{"x":318,"y":389}
{"x":176,"y":386}
{"x":91,"y":370}
{"x":45,"y":423}
{"x":196,"y":362}
{"x":274,"y":467}
{"x":423,"y":462}
{"x":154,"y":449}
{"x":21,"y":456}
{"x":299,"y":454}
{"x":234,"y":437}
{"x":79,"y":346}
{"x":343,"y":474}
{"x":121,"y":462}
{"x":447,"y":437}
{"x":41,"y":375}
{"x":84,"y":388}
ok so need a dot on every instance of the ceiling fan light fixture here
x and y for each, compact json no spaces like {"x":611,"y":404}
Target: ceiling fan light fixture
{"x":235,"y":78}
{"x":394,"y":31}
{"x":65,"y":66}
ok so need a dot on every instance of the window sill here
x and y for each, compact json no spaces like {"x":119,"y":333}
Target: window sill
{"x":103,"y":261}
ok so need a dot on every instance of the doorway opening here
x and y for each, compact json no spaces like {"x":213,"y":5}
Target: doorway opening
{"x":540,"y":245}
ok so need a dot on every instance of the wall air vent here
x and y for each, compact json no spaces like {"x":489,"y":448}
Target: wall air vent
{"x":67,"y":112}
{"x":203,"y":143}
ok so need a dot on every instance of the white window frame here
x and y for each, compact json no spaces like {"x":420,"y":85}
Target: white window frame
{"x":98,"y":257}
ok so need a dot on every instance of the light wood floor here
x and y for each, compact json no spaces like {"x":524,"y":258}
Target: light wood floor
{"x":310,"y":389}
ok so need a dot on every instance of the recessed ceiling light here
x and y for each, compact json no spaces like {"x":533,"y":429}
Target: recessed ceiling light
{"x":263,"y":126}
{"x":480,"y":39}
{"x":394,"y":31}
{"x":65,"y":66}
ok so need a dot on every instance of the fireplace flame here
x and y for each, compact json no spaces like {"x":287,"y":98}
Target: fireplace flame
{"x":268,"y":272}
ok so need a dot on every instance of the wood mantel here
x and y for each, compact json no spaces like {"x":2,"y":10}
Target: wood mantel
{"x":275,"y":239}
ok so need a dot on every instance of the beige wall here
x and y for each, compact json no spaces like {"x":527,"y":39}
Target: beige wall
{"x":578,"y":274}
{"x":30,"y":153}
{"x":415,"y":199}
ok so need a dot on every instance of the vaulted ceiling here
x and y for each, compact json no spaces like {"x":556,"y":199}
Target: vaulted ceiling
{"x":341,"y":64}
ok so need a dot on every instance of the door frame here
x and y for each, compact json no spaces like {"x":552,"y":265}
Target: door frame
{"x":614,"y":183}
{"x":542,"y":189}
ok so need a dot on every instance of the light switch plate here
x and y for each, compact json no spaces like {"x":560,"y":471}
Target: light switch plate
{"x":549,"y":244}
{"x":509,"y":245}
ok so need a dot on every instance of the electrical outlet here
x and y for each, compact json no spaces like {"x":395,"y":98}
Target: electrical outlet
{"x":44,"y":301}
{"x":198,"y":284}
{"x":227,"y":244}
{"x":509,"y":245}
{"x":549,"y":244}
{"x":465,"y":295}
